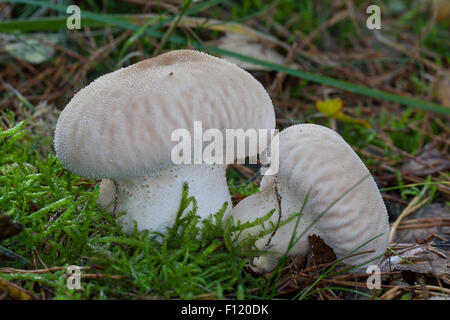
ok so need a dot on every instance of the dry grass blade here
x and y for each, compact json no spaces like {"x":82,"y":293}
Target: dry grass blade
{"x":37,"y":271}
{"x":412,"y":207}
{"x":391,"y":293}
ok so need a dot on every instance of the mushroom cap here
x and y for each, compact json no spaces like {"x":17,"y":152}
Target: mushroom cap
{"x":120,"y":125}
{"x":313,"y":156}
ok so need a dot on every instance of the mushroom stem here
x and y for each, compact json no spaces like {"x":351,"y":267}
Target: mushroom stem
{"x":274,"y":195}
{"x":153,"y":200}
{"x":107,"y":194}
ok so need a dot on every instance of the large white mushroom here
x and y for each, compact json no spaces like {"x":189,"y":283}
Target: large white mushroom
{"x":119,"y":128}
{"x":317,"y":160}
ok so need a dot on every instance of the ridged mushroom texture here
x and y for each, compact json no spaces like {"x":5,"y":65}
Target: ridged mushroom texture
{"x":120,"y":128}
{"x":321,"y":177}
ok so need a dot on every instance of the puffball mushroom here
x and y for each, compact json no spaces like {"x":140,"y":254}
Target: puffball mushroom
{"x":119,"y":129}
{"x":317,"y":160}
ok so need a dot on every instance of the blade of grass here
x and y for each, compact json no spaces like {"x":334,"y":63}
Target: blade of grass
{"x":20,"y":97}
{"x":340,"y":84}
{"x":414,"y":185}
{"x":264,"y":9}
{"x":398,"y":255}
{"x":91,"y":19}
{"x":133,"y":39}
{"x":165,"y":38}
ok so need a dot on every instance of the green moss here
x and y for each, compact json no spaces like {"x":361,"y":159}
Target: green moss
{"x":64,"y":226}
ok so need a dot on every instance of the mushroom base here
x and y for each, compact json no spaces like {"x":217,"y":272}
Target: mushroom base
{"x":286,"y":204}
{"x":153,"y":201}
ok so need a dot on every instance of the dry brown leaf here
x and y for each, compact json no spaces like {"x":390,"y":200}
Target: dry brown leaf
{"x":424,"y":259}
{"x":432,"y":157}
{"x":417,"y":235}
{"x":8,"y":228}
{"x":237,"y":198}
{"x":319,"y":252}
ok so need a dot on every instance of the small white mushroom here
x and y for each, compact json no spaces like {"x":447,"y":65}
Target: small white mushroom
{"x":317,"y":160}
{"x":119,"y":128}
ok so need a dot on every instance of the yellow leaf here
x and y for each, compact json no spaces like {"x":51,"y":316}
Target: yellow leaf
{"x":329,"y":107}
{"x":14,"y":290}
{"x":332,"y":108}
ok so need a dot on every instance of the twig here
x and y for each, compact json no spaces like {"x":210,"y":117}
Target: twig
{"x":36,"y":271}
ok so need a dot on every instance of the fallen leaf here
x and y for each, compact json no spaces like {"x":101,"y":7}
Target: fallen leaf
{"x":427,"y":230}
{"x":423,"y":259}
{"x":8,"y":228}
{"x":431,"y":160}
{"x":31,"y":49}
{"x":332,"y":108}
{"x":318,"y":252}
{"x":426,"y":217}
{"x":249,"y":46}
